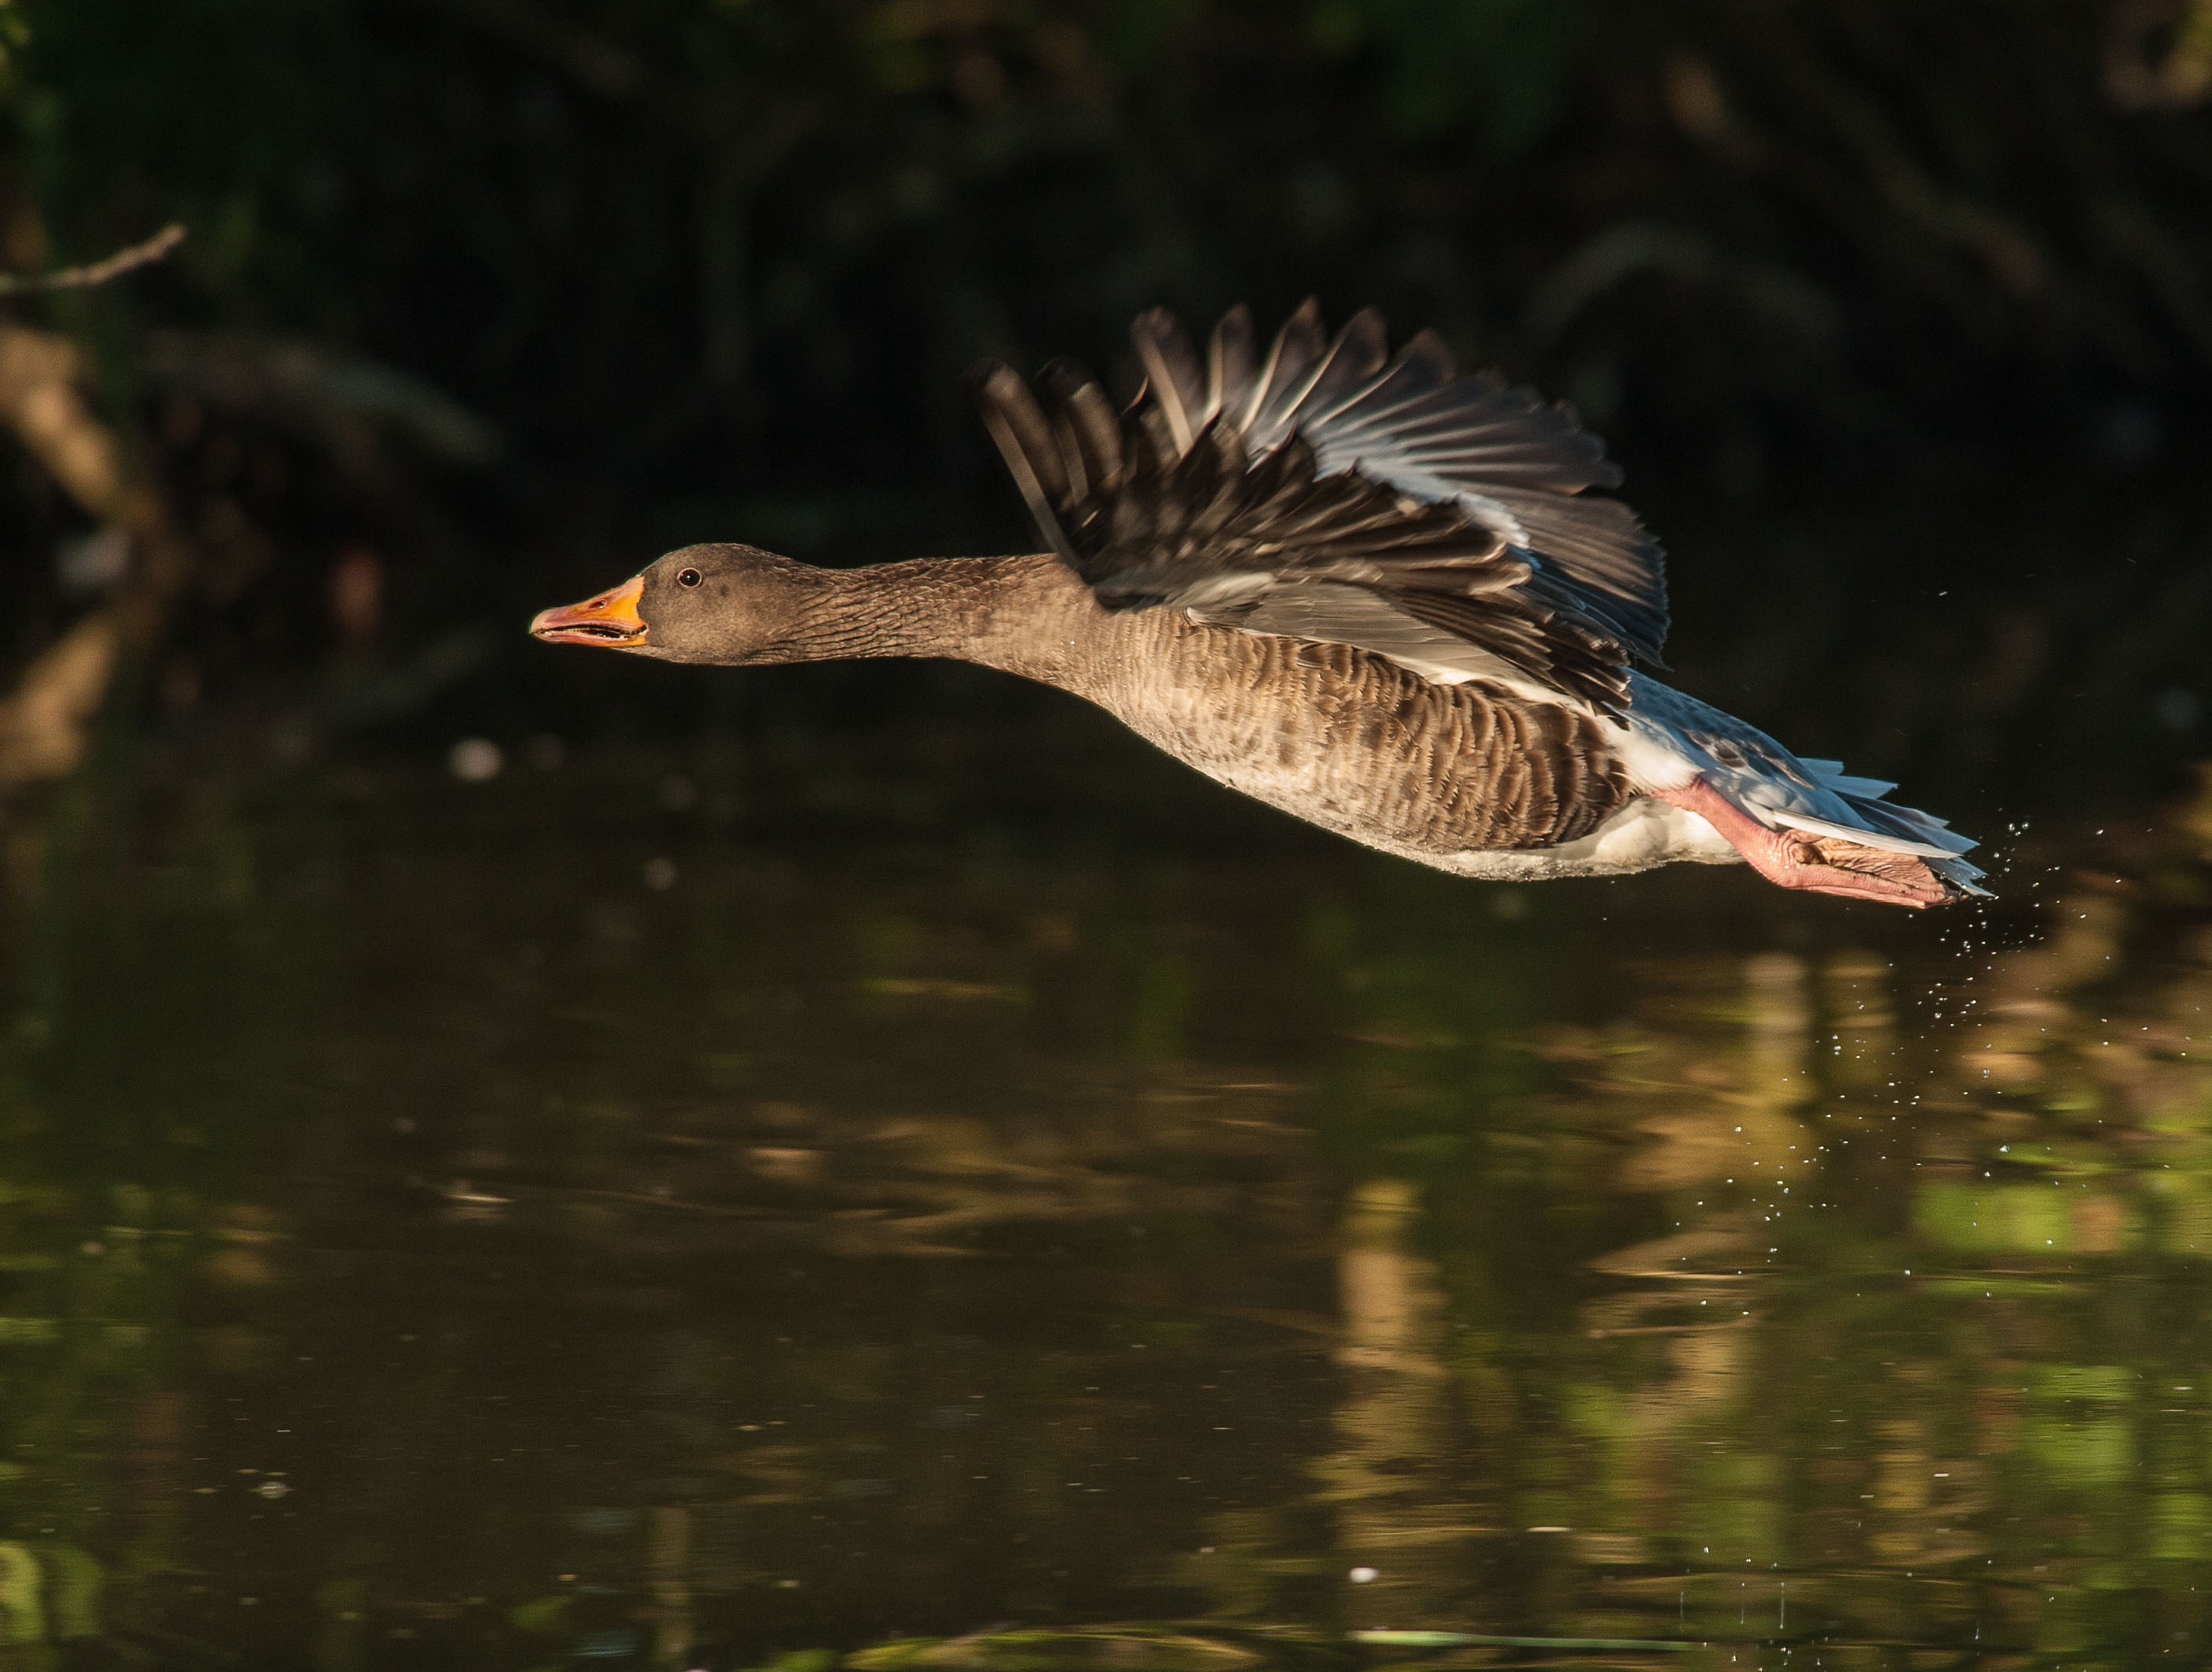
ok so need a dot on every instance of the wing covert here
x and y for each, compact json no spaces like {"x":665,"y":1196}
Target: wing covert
{"x":1328,"y":490}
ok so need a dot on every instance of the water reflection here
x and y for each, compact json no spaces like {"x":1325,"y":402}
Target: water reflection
{"x":429,"y":1239}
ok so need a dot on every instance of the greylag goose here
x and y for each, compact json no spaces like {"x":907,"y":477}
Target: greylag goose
{"x":1383,"y":597}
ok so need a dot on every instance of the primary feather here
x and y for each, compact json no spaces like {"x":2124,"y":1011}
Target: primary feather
{"x":1315,"y":488}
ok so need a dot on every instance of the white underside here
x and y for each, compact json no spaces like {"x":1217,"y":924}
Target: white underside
{"x":1643,"y":835}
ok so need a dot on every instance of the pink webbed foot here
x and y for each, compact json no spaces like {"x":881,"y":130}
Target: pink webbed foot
{"x":1823,"y":864}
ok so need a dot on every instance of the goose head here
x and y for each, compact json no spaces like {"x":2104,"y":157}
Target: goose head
{"x":722,"y":604}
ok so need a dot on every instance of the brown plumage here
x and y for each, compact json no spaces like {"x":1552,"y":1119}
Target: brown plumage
{"x":1370,"y":591}
{"x":1345,"y":738}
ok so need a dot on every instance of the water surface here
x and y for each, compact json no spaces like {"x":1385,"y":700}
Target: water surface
{"x":684,"y":1216}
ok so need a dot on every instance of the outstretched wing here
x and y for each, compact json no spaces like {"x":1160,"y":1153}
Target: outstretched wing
{"x":1330,"y":494}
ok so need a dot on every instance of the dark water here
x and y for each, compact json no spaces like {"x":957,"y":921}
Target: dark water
{"x":752,"y":1220}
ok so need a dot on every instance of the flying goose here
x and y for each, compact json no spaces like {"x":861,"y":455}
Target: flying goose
{"x":1378,"y":594}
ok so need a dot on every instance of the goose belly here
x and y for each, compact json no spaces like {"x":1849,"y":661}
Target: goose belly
{"x":1465,"y":777}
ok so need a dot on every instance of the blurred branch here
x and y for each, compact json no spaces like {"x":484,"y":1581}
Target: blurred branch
{"x":2137,"y":79}
{"x":1623,"y":251}
{"x":339,"y":401}
{"x":45,"y":725}
{"x":98,"y":272}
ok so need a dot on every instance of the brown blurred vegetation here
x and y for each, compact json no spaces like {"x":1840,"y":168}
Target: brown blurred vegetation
{"x":485,"y":299}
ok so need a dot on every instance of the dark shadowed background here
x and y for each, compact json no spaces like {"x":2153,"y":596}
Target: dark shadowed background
{"x":1897,"y":314}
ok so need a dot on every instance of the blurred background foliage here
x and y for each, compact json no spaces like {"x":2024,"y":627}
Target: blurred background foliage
{"x":486,"y":300}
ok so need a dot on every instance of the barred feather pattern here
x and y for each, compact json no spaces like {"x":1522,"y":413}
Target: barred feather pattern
{"x":1147,"y":518}
{"x":1520,"y":466}
{"x":1351,"y":742}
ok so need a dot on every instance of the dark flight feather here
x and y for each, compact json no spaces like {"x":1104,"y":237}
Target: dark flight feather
{"x":1333,"y":471}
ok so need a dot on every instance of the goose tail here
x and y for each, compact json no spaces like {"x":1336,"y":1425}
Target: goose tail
{"x":1891,"y":827}
{"x":1674,"y":738}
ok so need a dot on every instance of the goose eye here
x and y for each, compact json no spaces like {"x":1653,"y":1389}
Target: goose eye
{"x":687,"y":578}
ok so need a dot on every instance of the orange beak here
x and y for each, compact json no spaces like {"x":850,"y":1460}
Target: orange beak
{"x":610,"y":619}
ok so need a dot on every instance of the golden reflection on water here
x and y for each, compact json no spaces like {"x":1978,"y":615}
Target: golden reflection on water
{"x":947,"y":1261}
{"x":1393,"y":1418}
